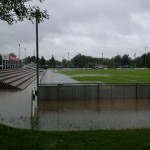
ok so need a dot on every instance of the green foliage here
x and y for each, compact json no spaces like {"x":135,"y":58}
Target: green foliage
{"x":30,"y":59}
{"x":126,"y":60}
{"x":42,"y":61}
{"x":82,"y":61}
{"x":117,"y":61}
{"x":12,"y":54}
{"x":19,"y":139}
{"x":0,"y":59}
{"x":17,"y":10}
{"x":52,"y":62}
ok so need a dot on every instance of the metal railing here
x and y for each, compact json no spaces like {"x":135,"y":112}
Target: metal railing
{"x":85,"y":91}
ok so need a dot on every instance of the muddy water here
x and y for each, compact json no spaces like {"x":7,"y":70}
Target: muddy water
{"x":93,"y":114}
{"x":15,"y":107}
{"x":15,"y":110}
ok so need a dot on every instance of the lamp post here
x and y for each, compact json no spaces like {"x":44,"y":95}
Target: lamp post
{"x":37,"y":50}
{"x":19,"y":56}
{"x":19,"y":50}
{"x":25,"y":52}
{"x":68,"y":56}
{"x":102,"y":59}
{"x":68,"y":59}
{"x":135,"y":59}
{"x":145,"y":56}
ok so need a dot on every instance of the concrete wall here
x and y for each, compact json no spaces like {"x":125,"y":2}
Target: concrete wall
{"x":93,"y":91}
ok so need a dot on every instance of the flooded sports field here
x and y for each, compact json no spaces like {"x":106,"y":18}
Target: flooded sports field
{"x":15,"y":110}
{"x":93,"y":114}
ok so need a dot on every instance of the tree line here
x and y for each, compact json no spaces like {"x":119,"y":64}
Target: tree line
{"x":82,"y":61}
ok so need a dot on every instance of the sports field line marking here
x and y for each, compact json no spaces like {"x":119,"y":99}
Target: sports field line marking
{"x":134,"y":76}
{"x":126,"y":79}
{"x":91,"y":75}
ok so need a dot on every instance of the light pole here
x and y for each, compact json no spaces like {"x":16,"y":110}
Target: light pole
{"x":135,"y":59}
{"x":37,"y":50}
{"x":145,"y":56}
{"x":19,"y":50}
{"x":34,"y":52}
{"x":102,"y":59}
{"x":68,"y":60}
{"x":68,"y":56}
{"x":19,"y":56}
{"x":25,"y":52}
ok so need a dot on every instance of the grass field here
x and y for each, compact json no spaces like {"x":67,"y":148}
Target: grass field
{"x":20,"y":139}
{"x":109,"y":75}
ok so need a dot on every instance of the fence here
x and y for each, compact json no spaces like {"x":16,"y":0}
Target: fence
{"x":85,"y":91}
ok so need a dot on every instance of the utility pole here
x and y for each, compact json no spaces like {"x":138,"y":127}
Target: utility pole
{"x":135,"y":59}
{"x":19,"y":56}
{"x":68,"y":56}
{"x":145,"y":56}
{"x":19,"y":50}
{"x":102,"y":59}
{"x":25,"y":52}
{"x":37,"y":49}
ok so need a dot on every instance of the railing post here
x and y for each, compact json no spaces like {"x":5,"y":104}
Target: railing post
{"x":32,"y":103}
{"x":136,"y":90}
{"x":98,"y":91}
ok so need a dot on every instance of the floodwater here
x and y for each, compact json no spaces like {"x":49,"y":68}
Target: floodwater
{"x":93,"y":114}
{"x":15,"y":107}
{"x":15,"y":110}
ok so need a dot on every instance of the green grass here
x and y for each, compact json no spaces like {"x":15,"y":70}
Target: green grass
{"x":109,"y":76}
{"x":20,"y":139}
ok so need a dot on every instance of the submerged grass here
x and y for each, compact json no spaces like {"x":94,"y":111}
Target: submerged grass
{"x":109,"y":75}
{"x":21,"y":139}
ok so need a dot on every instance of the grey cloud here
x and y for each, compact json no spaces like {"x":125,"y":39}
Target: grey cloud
{"x":85,"y":26}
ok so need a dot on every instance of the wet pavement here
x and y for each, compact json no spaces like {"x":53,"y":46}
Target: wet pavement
{"x":52,"y":76}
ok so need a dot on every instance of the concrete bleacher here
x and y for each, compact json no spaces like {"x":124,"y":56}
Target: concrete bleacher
{"x":17,"y":79}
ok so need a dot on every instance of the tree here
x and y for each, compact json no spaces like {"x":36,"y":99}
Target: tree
{"x":12,"y":54}
{"x":17,"y":10}
{"x":139,"y":62}
{"x":42,"y":61}
{"x":117,"y":61}
{"x":126,"y":60}
{"x":52,"y":62}
{"x":0,"y":59}
{"x":148,"y":60}
{"x":33,"y":59}
{"x":64,"y":63}
{"x":79,"y":61}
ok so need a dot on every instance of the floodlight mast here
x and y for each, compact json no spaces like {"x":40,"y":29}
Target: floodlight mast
{"x":145,"y":56}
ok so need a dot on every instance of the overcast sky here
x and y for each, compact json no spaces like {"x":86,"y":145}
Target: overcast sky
{"x":89,"y":27}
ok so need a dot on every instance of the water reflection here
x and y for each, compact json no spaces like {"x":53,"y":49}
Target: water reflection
{"x":15,"y":107}
{"x":93,"y":114}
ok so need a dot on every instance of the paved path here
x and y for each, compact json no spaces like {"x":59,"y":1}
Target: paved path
{"x":53,"y":77}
